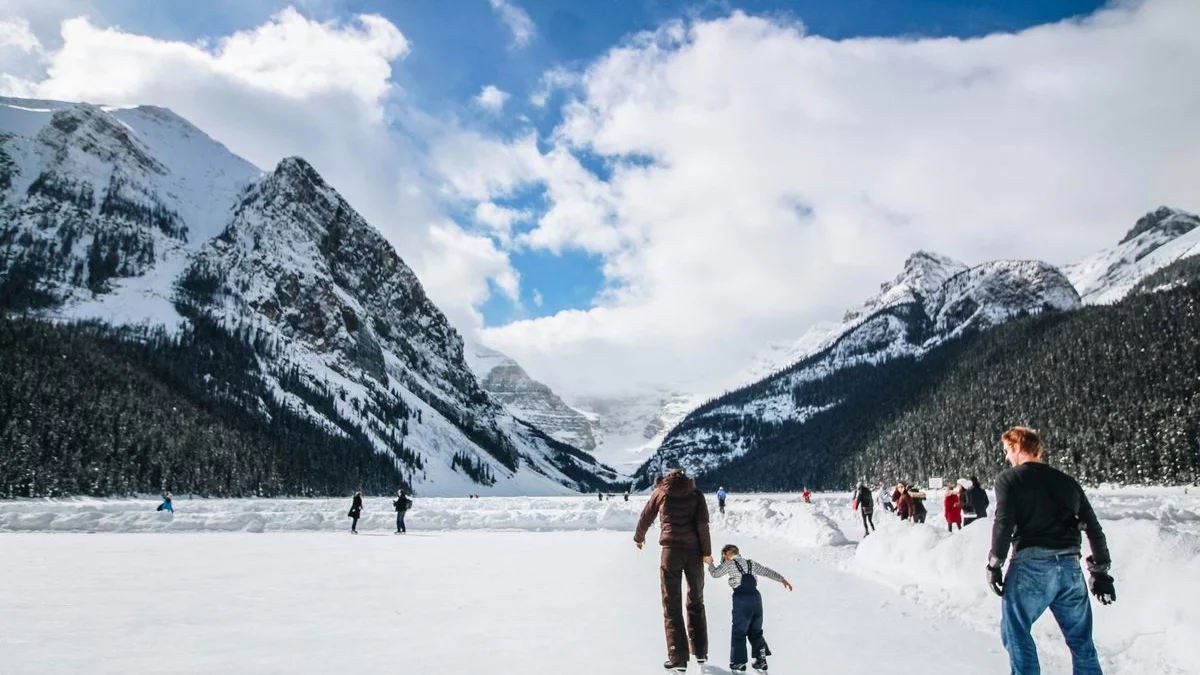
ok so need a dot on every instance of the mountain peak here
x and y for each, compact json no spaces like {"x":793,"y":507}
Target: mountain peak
{"x":1172,"y":222}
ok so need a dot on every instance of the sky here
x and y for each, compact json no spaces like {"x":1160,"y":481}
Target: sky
{"x":635,"y":194}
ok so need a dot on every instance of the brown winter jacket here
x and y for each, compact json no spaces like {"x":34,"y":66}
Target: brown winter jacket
{"x":683,"y":514}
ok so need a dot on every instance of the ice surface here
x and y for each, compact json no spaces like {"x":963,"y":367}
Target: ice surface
{"x":533,"y":585}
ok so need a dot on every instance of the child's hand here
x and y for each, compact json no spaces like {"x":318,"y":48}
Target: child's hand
{"x":787,"y":585}
{"x":707,"y":559}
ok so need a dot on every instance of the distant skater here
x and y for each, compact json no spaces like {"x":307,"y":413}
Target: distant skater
{"x":166,"y":503}
{"x":865,"y":504}
{"x":807,"y":495}
{"x":721,"y":495}
{"x":401,"y":504}
{"x":747,"y":606}
{"x":355,"y":513}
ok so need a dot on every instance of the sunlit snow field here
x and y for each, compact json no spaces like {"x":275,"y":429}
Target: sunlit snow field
{"x":539,"y":585}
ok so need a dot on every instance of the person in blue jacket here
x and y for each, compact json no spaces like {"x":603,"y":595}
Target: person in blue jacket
{"x":721,"y":494}
{"x":166,"y":503}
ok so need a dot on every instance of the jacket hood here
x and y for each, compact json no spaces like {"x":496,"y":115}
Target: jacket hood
{"x":678,"y":484}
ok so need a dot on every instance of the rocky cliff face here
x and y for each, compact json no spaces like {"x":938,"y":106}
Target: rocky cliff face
{"x":530,"y":400}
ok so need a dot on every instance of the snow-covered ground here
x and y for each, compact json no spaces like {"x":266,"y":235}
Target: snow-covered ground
{"x":536,"y":585}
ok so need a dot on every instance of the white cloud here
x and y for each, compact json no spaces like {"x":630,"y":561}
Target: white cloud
{"x":16,"y":34}
{"x":466,"y":267}
{"x":292,"y":86}
{"x":491,"y":98}
{"x":537,"y":298}
{"x":517,"y":20}
{"x":763,"y":179}
{"x":500,"y":219}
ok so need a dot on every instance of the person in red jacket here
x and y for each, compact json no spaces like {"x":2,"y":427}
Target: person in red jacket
{"x":952,"y":507}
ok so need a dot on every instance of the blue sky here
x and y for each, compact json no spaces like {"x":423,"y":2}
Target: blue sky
{"x":460,"y":46}
{"x":691,"y":198}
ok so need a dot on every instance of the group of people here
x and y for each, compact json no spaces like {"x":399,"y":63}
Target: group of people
{"x":402,"y":503}
{"x":965,"y":501}
{"x":1041,"y":516}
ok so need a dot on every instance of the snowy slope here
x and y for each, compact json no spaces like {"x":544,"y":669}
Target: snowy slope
{"x":105,"y":203}
{"x":1159,"y":238}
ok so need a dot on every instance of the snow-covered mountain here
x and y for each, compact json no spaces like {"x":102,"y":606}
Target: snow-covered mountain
{"x":628,"y":429}
{"x":933,"y":300}
{"x":1158,"y":239}
{"x":924,"y":274}
{"x":134,"y":215}
{"x":620,"y":431}
{"x":529,"y":399}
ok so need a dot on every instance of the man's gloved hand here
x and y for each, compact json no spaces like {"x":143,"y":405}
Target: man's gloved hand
{"x":995,"y":577}
{"x":1102,"y":582}
{"x":995,"y":574}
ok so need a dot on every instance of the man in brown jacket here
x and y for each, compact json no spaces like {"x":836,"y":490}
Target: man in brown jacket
{"x":686,"y":547}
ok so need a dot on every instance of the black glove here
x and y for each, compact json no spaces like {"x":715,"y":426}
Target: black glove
{"x":995,"y":577}
{"x":1102,"y":582}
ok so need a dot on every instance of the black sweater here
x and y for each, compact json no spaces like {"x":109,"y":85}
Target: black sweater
{"x":1038,"y":505}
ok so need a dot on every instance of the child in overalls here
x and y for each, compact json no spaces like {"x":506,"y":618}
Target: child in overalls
{"x":747,"y":606}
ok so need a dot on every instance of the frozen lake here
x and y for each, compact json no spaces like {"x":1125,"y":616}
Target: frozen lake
{"x":536,"y":585}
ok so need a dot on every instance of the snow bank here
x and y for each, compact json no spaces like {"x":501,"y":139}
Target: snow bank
{"x":1156,"y":553}
{"x":786,"y":520}
{"x":783,"y":519}
{"x":302,"y":515}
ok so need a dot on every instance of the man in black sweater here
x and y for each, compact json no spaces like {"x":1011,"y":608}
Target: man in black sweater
{"x":1040,"y":511}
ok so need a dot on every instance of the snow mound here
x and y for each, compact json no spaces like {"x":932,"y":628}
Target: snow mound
{"x":1151,"y":627}
{"x":788,"y":520}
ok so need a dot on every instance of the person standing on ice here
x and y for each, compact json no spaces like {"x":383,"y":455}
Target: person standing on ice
{"x":747,"y":606}
{"x":807,"y":495}
{"x":401,"y":504}
{"x":952,"y":509}
{"x":917,"y":497}
{"x":976,"y":504}
{"x":166,"y":503}
{"x":356,"y":507}
{"x":866,"y":506}
{"x":904,"y":503}
{"x":686,"y":546}
{"x":721,"y":495}
{"x":1040,"y":512}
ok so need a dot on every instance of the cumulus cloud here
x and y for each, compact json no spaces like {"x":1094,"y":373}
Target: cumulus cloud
{"x":537,"y":298}
{"x":491,"y":98}
{"x":290,"y":86}
{"x":760,"y":179}
{"x":517,"y":20}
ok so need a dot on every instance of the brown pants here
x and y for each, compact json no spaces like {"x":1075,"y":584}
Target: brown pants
{"x":678,"y":563}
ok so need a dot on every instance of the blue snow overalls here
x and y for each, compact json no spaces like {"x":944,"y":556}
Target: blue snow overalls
{"x":747,"y":617}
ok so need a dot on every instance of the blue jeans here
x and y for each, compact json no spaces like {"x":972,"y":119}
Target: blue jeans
{"x":400,"y":522}
{"x":1032,"y":586}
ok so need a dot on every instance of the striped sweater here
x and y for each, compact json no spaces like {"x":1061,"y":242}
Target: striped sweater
{"x":728,"y":569}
